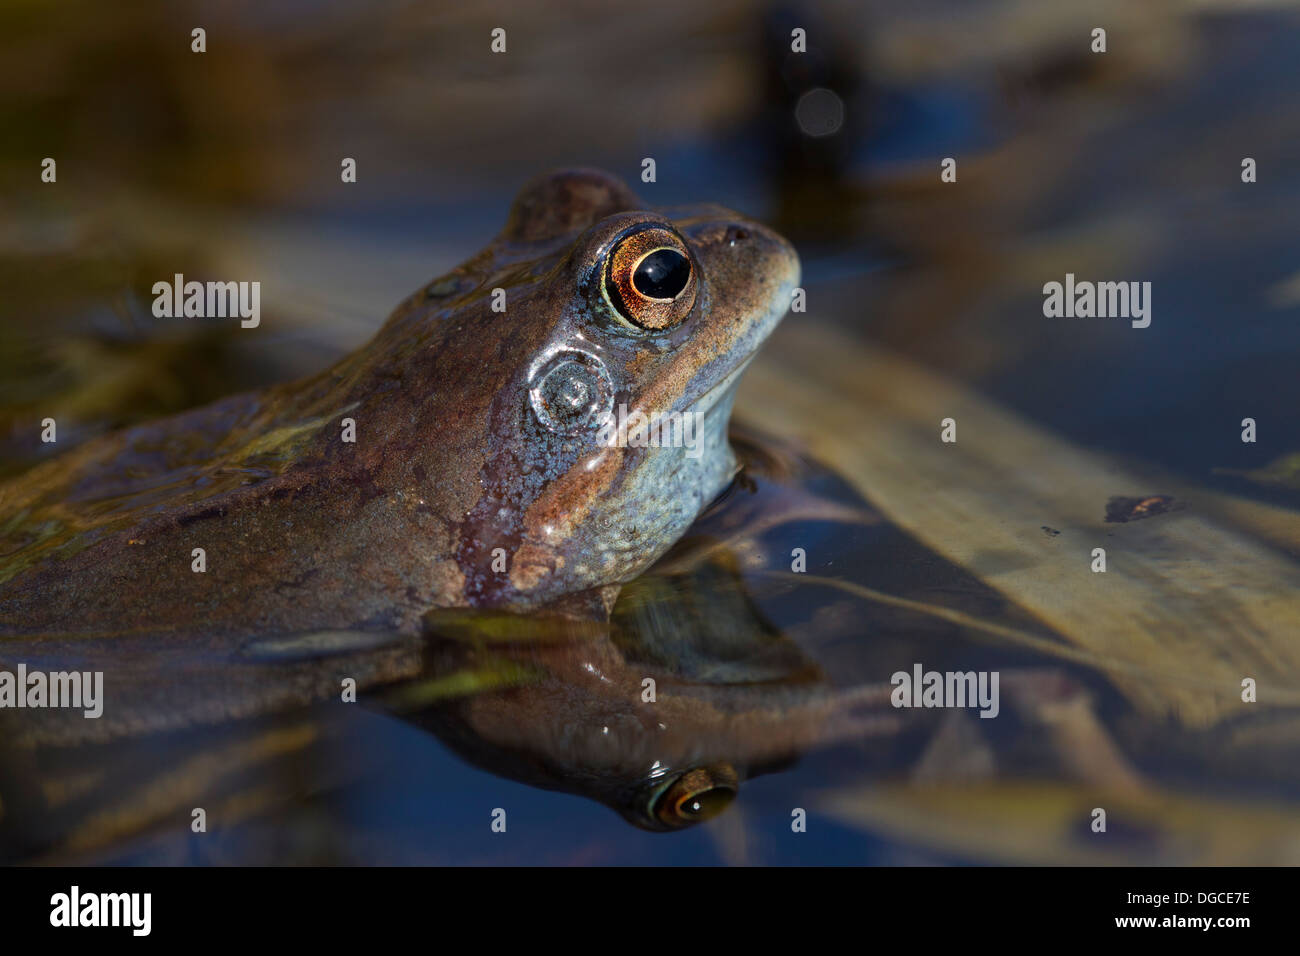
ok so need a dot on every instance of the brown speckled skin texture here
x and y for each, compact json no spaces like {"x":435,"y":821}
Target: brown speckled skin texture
{"x":302,"y":530}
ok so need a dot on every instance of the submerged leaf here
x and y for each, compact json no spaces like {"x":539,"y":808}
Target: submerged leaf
{"x":498,"y":674}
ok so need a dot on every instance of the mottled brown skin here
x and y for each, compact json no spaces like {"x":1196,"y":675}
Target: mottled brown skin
{"x":302,"y":530}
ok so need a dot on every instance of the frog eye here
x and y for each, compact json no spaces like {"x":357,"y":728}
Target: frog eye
{"x":571,"y":391}
{"x":650,"y":279}
{"x":697,"y":795}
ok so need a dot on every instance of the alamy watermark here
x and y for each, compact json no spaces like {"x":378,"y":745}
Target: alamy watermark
{"x":75,"y":908}
{"x":922,"y":688}
{"x":83,"y":690}
{"x":210,"y":300}
{"x":1102,"y":300}
{"x":656,"y":430}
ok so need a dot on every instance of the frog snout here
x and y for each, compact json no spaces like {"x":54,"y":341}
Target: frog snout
{"x":749,"y":260}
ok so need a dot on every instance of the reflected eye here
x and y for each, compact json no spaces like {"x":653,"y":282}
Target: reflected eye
{"x":650,"y":279}
{"x":697,"y":795}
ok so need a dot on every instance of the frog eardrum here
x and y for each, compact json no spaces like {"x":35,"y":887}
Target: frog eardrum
{"x":650,"y":278}
{"x":570,"y":391}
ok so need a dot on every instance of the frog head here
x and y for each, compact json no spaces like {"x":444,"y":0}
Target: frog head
{"x":624,"y":331}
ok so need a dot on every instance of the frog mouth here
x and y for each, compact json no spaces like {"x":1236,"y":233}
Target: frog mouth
{"x":719,"y":394}
{"x":746,"y":347}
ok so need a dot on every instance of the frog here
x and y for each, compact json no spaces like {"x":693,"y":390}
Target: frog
{"x":716,"y":666}
{"x":462,"y":458}
{"x":662,"y":712}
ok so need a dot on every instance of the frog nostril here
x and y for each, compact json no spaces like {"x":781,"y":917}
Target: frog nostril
{"x":737,"y":234}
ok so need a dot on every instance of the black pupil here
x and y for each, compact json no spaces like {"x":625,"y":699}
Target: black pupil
{"x":662,"y":274}
{"x":705,"y":804}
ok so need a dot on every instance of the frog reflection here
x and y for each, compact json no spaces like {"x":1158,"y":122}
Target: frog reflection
{"x":662,"y":715}
{"x":663,"y":710}
{"x":554,"y":701}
